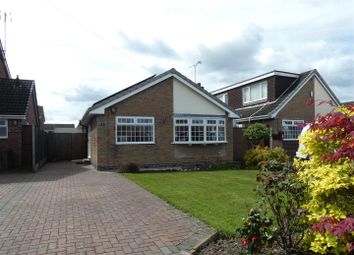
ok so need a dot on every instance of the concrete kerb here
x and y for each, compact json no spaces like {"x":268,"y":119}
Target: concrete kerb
{"x":204,"y":243}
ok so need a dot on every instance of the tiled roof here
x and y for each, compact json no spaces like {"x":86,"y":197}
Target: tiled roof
{"x":14,"y":96}
{"x":268,"y":107}
{"x":143,"y":83}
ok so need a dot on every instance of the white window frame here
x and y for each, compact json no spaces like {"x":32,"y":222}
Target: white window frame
{"x":204,"y":123}
{"x":224,"y":98}
{"x":264,"y":92}
{"x":294,"y":123}
{"x":136,"y":123}
{"x":6,"y":126}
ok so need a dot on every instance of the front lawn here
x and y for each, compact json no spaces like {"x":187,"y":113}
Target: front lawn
{"x":218,"y":198}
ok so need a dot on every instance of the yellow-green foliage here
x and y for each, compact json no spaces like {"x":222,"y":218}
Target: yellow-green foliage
{"x":330,"y":184}
{"x":260,"y":154}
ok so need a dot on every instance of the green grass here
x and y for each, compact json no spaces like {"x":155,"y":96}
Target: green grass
{"x":218,"y":198}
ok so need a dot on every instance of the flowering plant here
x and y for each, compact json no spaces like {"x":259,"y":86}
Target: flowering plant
{"x":256,"y":232}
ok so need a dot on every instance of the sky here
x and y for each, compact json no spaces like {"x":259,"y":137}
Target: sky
{"x":80,"y":51}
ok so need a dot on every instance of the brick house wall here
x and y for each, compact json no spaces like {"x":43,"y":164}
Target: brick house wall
{"x":13,"y":144}
{"x":296,"y":109}
{"x":157,"y":102}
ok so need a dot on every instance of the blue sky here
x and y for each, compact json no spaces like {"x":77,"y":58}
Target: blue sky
{"x":81,"y":51}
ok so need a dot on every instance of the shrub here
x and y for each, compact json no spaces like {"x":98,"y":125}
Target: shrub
{"x":329,"y":178}
{"x":282,"y":194}
{"x":258,"y":156}
{"x":256,"y":132}
{"x":256,"y":231}
{"x":130,"y":168}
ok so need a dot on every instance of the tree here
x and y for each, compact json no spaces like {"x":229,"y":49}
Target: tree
{"x":256,"y":132}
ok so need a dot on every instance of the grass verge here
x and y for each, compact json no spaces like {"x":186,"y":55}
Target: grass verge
{"x":218,"y":198}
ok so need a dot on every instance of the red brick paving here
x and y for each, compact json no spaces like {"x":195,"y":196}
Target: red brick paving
{"x":72,"y":209}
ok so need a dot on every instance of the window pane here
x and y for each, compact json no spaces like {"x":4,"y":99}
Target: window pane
{"x":211,"y":133}
{"x":181,"y":121}
{"x":221,"y":133}
{"x":144,"y":120}
{"x":197,"y":133}
{"x":181,"y":134}
{"x":197,"y":121}
{"x":264,"y":90}
{"x":246,"y":94}
{"x":3,"y":131}
{"x":256,"y":92}
{"x":211,"y":121}
{"x":2,"y":122}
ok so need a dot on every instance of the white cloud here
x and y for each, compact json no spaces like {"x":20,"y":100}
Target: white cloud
{"x":66,"y":44}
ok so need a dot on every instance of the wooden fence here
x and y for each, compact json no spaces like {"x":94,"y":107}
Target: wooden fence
{"x":66,"y":146}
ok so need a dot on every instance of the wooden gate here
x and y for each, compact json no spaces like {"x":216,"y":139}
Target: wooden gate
{"x":66,"y":146}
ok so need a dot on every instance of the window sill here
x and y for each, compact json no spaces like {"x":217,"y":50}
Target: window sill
{"x":254,"y":102}
{"x":290,"y":140}
{"x":137,"y":143}
{"x":198,"y":143}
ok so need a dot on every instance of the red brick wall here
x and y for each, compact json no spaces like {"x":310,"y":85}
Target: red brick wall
{"x":296,"y":109}
{"x":13,"y":144}
{"x":93,"y":142}
{"x":156,"y":102}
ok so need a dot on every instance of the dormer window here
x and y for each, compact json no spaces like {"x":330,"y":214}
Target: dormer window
{"x":255,"y":93}
{"x":223,"y":97}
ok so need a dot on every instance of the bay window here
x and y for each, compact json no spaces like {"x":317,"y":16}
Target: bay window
{"x":199,"y":130}
{"x":135,"y":130}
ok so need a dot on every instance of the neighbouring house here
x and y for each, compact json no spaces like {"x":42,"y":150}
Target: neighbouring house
{"x":4,"y":69}
{"x":281,"y":100}
{"x":165,"y":120}
{"x":21,"y":139}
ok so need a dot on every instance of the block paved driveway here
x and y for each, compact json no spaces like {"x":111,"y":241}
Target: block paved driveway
{"x":72,"y":209}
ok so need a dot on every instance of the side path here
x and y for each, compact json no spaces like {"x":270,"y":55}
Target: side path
{"x":68,"y":209}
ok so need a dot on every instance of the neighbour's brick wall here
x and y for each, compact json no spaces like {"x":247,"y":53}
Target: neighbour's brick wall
{"x":13,"y":144}
{"x":296,"y":109}
{"x":11,"y":148}
{"x":156,"y":102}
{"x":277,"y":85}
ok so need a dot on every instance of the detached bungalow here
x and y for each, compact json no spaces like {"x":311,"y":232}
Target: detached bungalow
{"x":164,"y":120}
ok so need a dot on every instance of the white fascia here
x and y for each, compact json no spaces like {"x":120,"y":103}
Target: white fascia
{"x":276,"y":73}
{"x":13,"y":117}
{"x":292,"y":94}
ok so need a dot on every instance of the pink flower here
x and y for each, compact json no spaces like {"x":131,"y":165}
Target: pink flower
{"x":245,"y":241}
